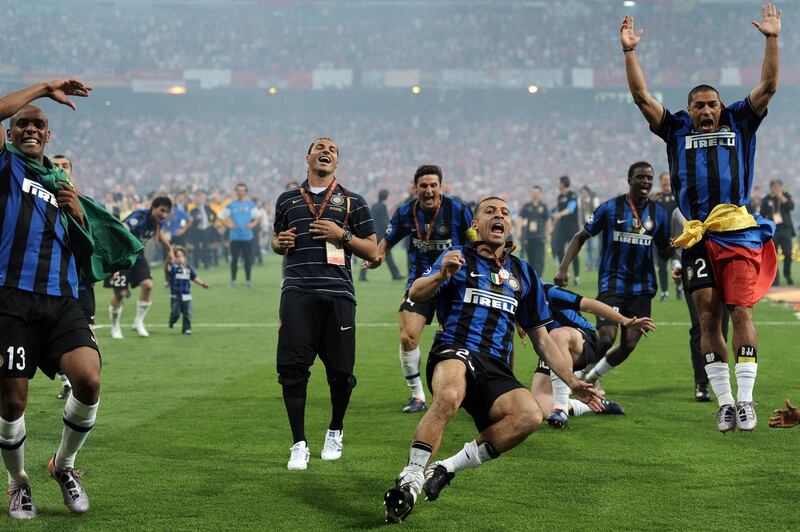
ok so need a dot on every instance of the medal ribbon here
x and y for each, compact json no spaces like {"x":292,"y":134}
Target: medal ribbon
{"x":635,"y":212}
{"x":318,"y":211}
{"x":430,"y":226}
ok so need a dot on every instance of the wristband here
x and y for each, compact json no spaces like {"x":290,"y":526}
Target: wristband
{"x":626,"y":50}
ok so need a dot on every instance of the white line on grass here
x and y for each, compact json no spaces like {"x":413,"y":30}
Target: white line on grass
{"x":389,"y":325}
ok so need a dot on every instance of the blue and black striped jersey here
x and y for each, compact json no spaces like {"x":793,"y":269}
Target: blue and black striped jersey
{"x":34,"y":245}
{"x":477,"y":313}
{"x":565,"y":306}
{"x":180,"y":279}
{"x":709,"y":169}
{"x":626,"y":263}
{"x":450,"y":226}
{"x":142,"y":225}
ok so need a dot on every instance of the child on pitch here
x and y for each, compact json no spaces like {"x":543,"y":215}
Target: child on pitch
{"x":180,"y":276}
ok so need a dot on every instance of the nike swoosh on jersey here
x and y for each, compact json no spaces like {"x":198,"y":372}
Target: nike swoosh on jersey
{"x":473,"y":274}
{"x":345,"y":328}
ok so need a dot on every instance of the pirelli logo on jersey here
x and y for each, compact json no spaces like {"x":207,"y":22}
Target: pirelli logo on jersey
{"x":432,"y":245}
{"x":708,"y":140}
{"x":632,"y":238}
{"x":476,"y":296}
{"x":35,"y":189}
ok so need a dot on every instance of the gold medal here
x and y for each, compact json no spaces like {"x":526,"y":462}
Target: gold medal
{"x":504,"y":274}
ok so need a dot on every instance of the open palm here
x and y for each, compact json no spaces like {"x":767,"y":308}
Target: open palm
{"x":59,"y":90}
{"x":628,"y":37}
{"x":770,"y":26}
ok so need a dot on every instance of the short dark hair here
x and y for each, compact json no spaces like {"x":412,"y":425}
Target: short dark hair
{"x":700,"y":88}
{"x":776,"y":182}
{"x":319,"y":139}
{"x":537,"y":187}
{"x":383,"y":194}
{"x":481,"y":202}
{"x":638,"y":164}
{"x":181,"y":249}
{"x":241,"y":185}
{"x":564,"y":180}
{"x":59,"y":156}
{"x":161,"y":201}
{"x":428,"y":169}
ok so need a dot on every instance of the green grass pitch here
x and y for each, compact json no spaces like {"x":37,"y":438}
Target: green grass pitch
{"x":192,"y":434}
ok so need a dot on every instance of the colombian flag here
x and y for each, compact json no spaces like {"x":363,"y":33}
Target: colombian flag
{"x":744,"y":262}
{"x":740,"y":251}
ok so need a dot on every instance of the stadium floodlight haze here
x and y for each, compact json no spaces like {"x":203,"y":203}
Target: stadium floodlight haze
{"x":209,"y":130}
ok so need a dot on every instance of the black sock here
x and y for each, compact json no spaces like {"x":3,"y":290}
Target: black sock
{"x":341,"y":389}
{"x":294,"y":397}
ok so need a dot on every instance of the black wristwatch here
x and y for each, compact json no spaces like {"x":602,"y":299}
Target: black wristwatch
{"x":347,"y":236}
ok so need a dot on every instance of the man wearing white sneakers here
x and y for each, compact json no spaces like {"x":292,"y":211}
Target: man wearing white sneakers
{"x":144,"y":224}
{"x":318,"y":227}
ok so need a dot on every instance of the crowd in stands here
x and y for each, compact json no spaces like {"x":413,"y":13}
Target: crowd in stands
{"x":116,"y":37}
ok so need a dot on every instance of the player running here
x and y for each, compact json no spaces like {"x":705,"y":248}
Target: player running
{"x":728,"y":253}
{"x":577,"y":340}
{"x":627,"y":278}
{"x":482,"y":291}
{"x":436,"y":223}
{"x":144,"y":224}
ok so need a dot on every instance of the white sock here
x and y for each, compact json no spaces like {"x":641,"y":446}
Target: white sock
{"x":141,"y":310}
{"x":719,"y":376}
{"x":414,"y":472}
{"x":409,"y":363}
{"x":64,"y":379}
{"x":578,"y":408}
{"x":560,"y":393}
{"x":472,"y":455}
{"x":78,"y":421}
{"x":599,"y":369}
{"x":12,"y":444}
{"x":115,"y":314}
{"x":745,"y":380}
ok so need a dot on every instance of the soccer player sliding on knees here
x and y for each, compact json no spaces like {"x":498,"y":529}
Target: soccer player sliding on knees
{"x":483,"y":292}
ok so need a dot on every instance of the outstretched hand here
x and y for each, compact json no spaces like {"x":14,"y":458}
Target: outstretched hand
{"x":588,"y":395}
{"x":770,"y":26}
{"x":628,"y":37}
{"x":642,"y":325}
{"x":59,"y":89}
{"x":785,"y":418}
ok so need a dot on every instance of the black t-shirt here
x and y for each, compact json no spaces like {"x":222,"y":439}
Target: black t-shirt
{"x":534,"y":220}
{"x":307,"y":268}
{"x":568,"y":223}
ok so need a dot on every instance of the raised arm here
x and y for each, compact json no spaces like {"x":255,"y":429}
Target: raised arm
{"x":56,"y":90}
{"x":770,"y":27}
{"x":425,"y":287}
{"x":652,"y":110}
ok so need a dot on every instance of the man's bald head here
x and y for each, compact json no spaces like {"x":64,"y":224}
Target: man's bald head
{"x":29,"y":111}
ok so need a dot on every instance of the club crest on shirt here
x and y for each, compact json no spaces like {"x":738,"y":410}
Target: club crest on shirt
{"x":388,"y":229}
{"x":513,"y":283}
{"x":338,"y":199}
{"x":442,"y":229}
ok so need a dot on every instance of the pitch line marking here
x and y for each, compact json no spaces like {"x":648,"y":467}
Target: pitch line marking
{"x":389,"y":325}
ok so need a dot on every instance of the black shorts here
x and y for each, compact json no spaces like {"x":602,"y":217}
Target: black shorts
{"x":36,"y":329}
{"x":311,"y":325}
{"x":697,"y":272}
{"x":426,"y":309}
{"x":589,"y":355}
{"x":86,"y":301}
{"x":629,"y":306}
{"x":487,"y":379}
{"x":132,"y":278}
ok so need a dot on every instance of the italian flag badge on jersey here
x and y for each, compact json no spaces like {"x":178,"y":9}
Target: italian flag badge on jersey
{"x":496,"y":279}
